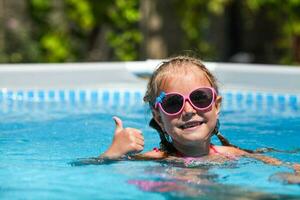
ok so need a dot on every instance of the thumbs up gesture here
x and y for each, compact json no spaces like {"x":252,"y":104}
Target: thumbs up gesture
{"x":297,"y":169}
{"x":125,"y":140}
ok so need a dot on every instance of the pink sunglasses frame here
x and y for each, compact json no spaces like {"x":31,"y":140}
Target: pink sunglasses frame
{"x":185,"y":98}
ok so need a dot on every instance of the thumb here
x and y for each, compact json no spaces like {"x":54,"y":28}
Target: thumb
{"x":119,"y":124}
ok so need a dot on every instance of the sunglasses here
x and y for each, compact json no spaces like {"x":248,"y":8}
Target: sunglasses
{"x":173,"y":103}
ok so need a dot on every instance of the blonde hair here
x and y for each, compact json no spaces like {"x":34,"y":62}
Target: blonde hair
{"x":169,"y":68}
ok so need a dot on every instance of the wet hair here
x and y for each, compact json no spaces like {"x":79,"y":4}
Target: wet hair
{"x":175,"y":67}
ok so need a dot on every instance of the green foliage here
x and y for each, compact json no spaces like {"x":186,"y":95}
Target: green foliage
{"x":123,"y":44}
{"x":64,"y":28}
{"x":56,"y":46}
{"x":124,"y":36}
{"x":196,"y":21}
{"x":72,"y":30}
{"x":286,"y":16}
{"x":80,"y":12}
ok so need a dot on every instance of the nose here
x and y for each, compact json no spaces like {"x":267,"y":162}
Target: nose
{"x":188,"y":108}
{"x":188,"y":111}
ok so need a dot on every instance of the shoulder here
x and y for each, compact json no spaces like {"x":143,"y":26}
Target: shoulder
{"x":152,"y":155}
{"x":156,"y":154}
{"x":230,"y":150}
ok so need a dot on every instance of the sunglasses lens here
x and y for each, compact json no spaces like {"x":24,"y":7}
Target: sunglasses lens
{"x":202,"y":98}
{"x":172,"y":103}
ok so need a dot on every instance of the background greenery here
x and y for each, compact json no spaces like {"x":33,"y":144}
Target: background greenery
{"x":256,"y":31}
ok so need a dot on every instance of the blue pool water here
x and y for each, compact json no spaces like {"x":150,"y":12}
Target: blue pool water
{"x":41,"y":138}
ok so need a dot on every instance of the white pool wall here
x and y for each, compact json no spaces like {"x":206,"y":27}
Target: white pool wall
{"x":231,"y":76}
{"x":240,"y":76}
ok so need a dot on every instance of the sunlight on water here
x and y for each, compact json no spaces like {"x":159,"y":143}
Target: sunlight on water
{"x":39,"y":143}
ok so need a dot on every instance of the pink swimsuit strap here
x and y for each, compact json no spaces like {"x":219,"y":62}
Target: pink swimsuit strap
{"x":178,"y":154}
{"x":212,"y":147}
{"x":231,"y":157}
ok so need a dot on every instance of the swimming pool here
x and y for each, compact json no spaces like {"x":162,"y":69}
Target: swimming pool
{"x":44,"y":133}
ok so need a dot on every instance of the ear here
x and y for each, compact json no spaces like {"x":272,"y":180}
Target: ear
{"x":157,"y":118}
{"x":218,"y":104}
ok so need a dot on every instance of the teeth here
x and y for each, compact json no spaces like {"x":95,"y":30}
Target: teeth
{"x":189,"y":125}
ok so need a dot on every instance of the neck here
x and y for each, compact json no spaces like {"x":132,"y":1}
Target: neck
{"x":197,"y":150}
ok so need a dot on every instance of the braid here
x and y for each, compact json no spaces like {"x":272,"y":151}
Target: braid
{"x":224,"y":141}
{"x":165,"y":145}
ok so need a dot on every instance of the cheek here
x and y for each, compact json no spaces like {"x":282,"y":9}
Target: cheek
{"x":167,"y":121}
{"x":212,"y":117}
{"x":216,"y":112}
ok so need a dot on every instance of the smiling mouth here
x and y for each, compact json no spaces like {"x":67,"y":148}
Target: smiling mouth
{"x":190,"y":124}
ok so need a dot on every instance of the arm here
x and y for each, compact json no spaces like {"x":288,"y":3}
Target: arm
{"x":291,"y":178}
{"x":125,"y":140}
{"x":239,"y":152}
{"x":151,"y":155}
{"x":265,"y":159}
{"x":297,"y":169}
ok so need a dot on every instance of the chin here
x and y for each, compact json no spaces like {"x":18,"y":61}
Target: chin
{"x":192,"y":142}
{"x":195,"y":137}
{"x":199,"y":130}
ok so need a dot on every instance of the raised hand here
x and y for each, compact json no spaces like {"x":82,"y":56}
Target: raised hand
{"x":125,"y":140}
{"x":297,"y":169}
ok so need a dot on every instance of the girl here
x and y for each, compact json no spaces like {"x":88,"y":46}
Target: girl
{"x":185,"y":103}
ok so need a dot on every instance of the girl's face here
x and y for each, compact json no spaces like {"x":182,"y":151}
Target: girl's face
{"x":190,"y":127}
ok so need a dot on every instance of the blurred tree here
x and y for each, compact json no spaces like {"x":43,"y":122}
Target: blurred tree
{"x":173,"y":27}
{"x":72,"y":30}
{"x":284,"y":20}
{"x":16,"y":44}
{"x":86,"y":30}
{"x":197,"y":19}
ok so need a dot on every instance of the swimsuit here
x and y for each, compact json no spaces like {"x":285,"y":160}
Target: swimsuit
{"x":212,"y":147}
{"x":230,"y":157}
